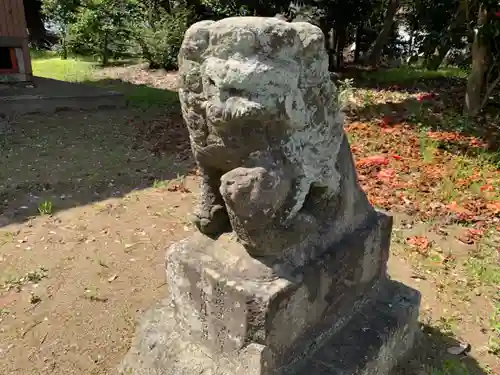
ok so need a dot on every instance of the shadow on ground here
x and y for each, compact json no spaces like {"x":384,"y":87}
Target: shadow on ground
{"x":121,"y":62}
{"x":430,"y":357}
{"x":141,"y":95}
{"x":73,"y":158}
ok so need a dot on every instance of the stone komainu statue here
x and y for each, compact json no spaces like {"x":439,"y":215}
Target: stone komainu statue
{"x":303,"y":289}
{"x":264,"y":126}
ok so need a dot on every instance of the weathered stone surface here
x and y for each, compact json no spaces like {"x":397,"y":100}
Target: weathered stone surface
{"x":373,"y":341}
{"x":242,"y":314}
{"x":261,"y":113}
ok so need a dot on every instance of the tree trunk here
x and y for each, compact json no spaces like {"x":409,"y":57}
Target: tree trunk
{"x":330,"y":41}
{"x":34,"y":23}
{"x":429,"y":45}
{"x":434,"y":61}
{"x":376,"y":50}
{"x":357,"y":50}
{"x":445,"y":42}
{"x":476,"y":82}
{"x":411,"y":42}
{"x":64,"y":42}
{"x":339,"y":47}
{"x":165,"y":4}
{"x":105,"y":49}
{"x":64,"y":48}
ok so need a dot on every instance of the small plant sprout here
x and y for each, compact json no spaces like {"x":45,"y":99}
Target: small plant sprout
{"x":344,"y":90}
{"x":159,"y":184}
{"x":45,"y":208}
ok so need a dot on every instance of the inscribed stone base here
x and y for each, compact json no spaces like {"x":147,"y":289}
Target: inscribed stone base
{"x":229,"y":313}
{"x":372,"y":343}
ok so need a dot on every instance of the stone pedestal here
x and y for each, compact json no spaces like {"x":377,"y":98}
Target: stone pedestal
{"x":231,"y":314}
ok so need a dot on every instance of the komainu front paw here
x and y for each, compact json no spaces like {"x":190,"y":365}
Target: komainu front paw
{"x":212,"y":223}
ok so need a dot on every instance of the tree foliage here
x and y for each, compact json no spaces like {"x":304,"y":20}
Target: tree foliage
{"x":102,"y":28}
{"x":439,"y":30}
{"x":159,"y":34}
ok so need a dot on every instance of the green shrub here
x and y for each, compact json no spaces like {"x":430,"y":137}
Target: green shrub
{"x":161,"y":41}
{"x":102,"y":29}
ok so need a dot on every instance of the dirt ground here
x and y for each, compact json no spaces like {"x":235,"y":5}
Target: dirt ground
{"x":75,"y":278}
{"x":87,"y":211}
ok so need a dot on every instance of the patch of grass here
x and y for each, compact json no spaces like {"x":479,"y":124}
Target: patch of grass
{"x":345,"y":90}
{"x":81,"y":70}
{"x":70,"y":70}
{"x":428,"y":148}
{"x":484,"y":266}
{"x":37,"y":275}
{"x":33,"y":277}
{"x":6,"y":237}
{"x":447,"y":324}
{"x":45,"y":208}
{"x":37,"y":54}
{"x":458,"y":122}
{"x":351,"y":138}
{"x":160,"y":184}
{"x":494,"y":340}
{"x":450,"y":367}
{"x":367,"y":97}
{"x":145,"y":96}
{"x":447,"y":190}
{"x":407,"y":74}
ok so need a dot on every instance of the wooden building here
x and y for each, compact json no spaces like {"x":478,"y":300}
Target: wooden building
{"x":15,"y":61}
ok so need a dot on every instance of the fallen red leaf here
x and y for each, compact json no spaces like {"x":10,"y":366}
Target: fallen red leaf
{"x":471,"y":236}
{"x":456,"y":208}
{"x":475,"y":232}
{"x":476,"y":142}
{"x":422,"y":97}
{"x":487,"y":188}
{"x":494,"y":207}
{"x":444,"y":136}
{"x":421,"y":243}
{"x":373,"y":160}
{"x":388,"y":130}
{"x":387,"y":175}
{"x":396,"y":157}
